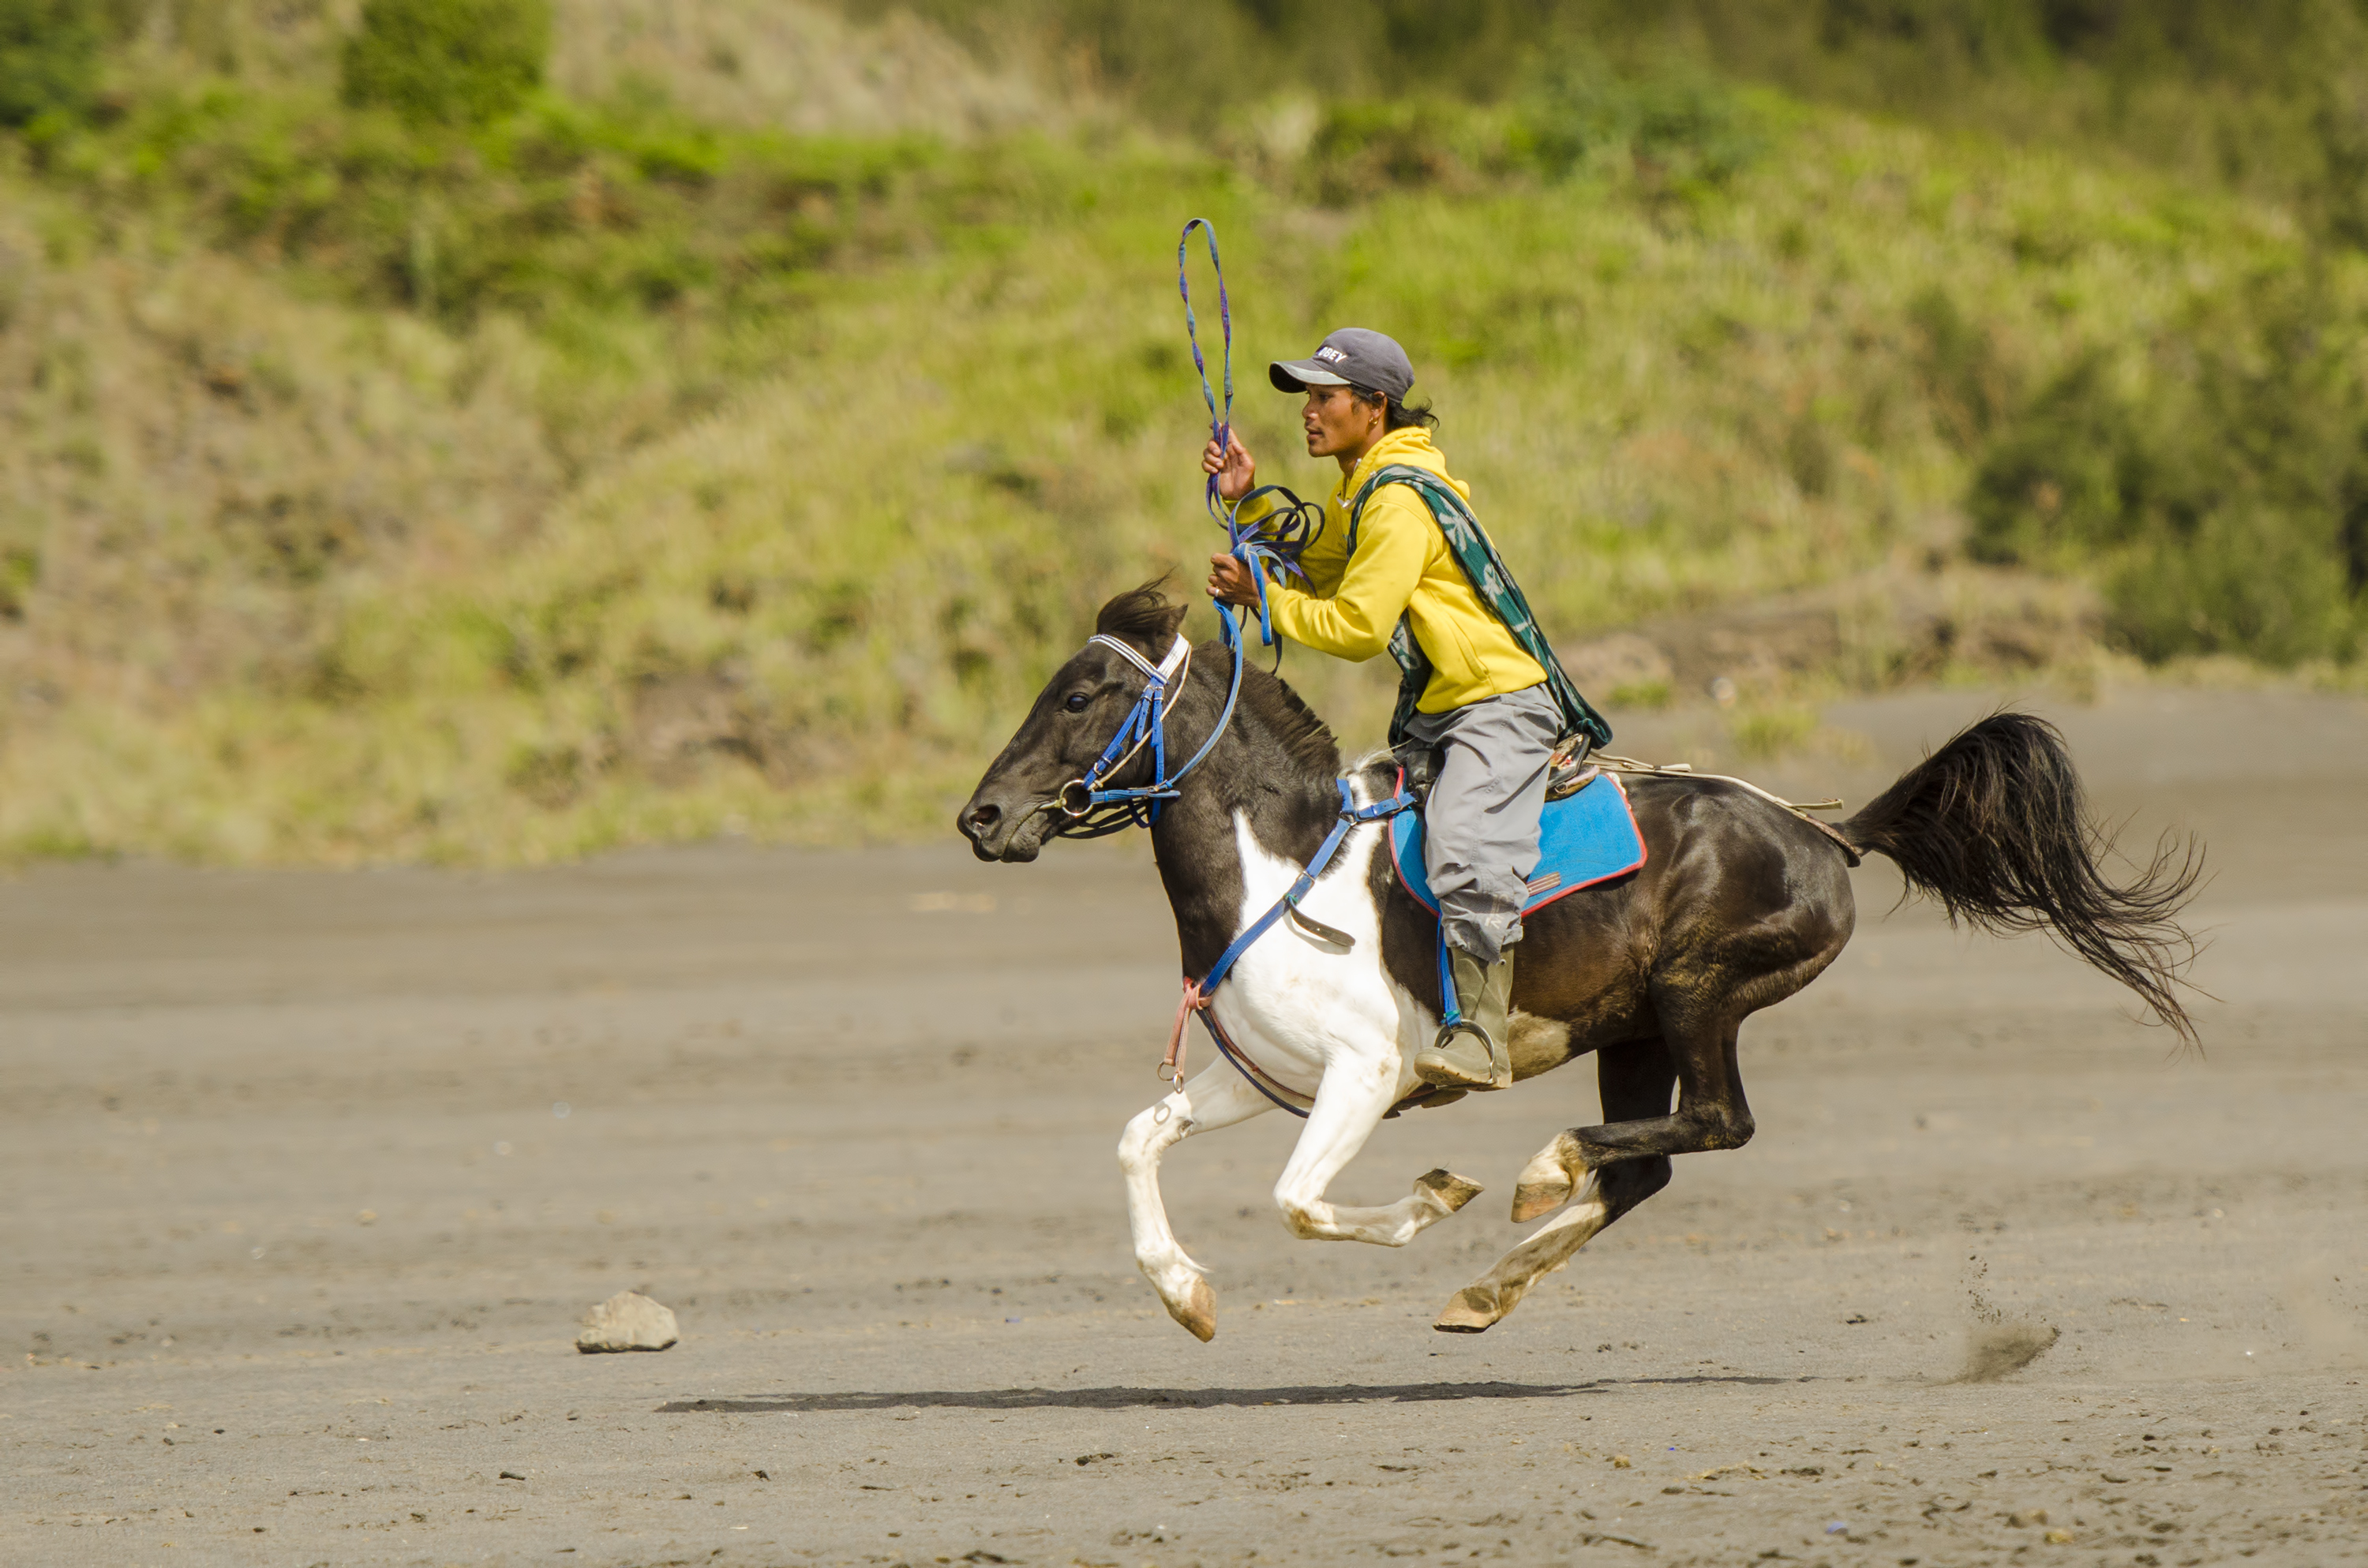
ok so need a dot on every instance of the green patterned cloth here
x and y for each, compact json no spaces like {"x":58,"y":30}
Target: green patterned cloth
{"x":1472,"y":551}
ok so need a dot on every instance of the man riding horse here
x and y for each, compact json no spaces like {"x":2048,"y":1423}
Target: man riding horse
{"x":1737,"y":902}
{"x":1482,"y":690}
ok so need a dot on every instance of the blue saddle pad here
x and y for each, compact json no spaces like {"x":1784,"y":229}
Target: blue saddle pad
{"x":1583,"y":839}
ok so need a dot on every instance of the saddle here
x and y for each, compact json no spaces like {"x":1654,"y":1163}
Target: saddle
{"x":1568,"y":771}
{"x":1586,"y":834}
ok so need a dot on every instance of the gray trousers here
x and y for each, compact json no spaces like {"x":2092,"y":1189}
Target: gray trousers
{"x":1480,"y":827}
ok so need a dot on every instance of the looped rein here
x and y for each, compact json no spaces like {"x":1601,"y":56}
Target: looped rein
{"x":1220,"y":422}
{"x":1093,"y":806}
{"x":1272,"y":545}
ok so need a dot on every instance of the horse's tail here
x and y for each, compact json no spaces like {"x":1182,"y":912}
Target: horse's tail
{"x":1994,"y":825}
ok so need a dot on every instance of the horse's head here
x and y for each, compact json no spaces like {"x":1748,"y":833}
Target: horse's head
{"x":1016,"y":806}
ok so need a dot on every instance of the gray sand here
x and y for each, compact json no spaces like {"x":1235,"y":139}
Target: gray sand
{"x":298,"y":1240}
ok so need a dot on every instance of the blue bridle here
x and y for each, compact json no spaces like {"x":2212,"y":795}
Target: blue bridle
{"x":1094,"y":807}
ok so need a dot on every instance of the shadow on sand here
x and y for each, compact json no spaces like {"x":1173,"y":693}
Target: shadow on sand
{"x":1187,"y":1399}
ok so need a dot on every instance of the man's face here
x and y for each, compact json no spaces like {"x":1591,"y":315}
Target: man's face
{"x":1335,"y":421}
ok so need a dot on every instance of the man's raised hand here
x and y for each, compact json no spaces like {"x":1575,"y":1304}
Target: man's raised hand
{"x":1237,"y":470}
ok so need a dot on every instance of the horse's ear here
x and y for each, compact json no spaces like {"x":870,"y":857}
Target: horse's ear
{"x":1144,"y":618}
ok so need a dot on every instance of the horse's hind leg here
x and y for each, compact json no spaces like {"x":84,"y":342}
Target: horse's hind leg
{"x":1634,"y":1081}
{"x":1217,"y":1097}
{"x":1710,"y":1114}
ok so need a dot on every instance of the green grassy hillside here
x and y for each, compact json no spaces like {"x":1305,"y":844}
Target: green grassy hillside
{"x":669,"y":451}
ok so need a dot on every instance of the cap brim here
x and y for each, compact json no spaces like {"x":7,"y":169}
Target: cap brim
{"x":1298,"y":375}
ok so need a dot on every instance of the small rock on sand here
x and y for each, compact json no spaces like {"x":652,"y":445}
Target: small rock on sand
{"x":627,"y":1320}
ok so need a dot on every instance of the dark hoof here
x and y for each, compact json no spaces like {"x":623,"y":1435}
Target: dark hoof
{"x":1450,"y":1190}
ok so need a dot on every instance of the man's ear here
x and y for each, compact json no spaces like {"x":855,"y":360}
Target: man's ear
{"x":1144,"y":618}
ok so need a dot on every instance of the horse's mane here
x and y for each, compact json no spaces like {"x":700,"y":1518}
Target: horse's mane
{"x":1146,"y":617}
{"x":1142,"y":615}
{"x":1305,"y":739}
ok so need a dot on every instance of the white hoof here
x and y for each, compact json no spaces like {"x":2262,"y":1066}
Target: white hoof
{"x":1185,"y":1294}
{"x":1196,"y":1309}
{"x":1547,"y":1181}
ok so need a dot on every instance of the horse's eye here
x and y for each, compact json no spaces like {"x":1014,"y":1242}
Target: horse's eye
{"x":1077,"y":703}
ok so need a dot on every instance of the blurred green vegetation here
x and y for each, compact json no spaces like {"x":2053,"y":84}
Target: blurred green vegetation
{"x":2216,"y":475}
{"x":617,"y":209}
{"x":447,"y":61}
{"x":49,"y":60}
{"x":2269,"y":97}
{"x":403,"y":465}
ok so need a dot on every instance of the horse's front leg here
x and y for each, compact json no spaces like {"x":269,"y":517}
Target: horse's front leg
{"x":1350,"y":1103}
{"x":1216,"y":1097}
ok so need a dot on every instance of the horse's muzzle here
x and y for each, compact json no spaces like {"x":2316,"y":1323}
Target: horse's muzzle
{"x":998,"y":835}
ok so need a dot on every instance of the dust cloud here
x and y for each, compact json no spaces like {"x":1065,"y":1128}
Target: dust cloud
{"x":1993,"y":1350}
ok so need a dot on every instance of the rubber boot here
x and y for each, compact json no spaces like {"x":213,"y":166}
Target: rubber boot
{"x":1474,"y":1052}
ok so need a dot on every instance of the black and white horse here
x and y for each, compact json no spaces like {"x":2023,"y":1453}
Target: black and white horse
{"x":1740,"y":904}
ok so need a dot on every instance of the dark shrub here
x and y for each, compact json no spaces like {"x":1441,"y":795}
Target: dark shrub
{"x":2220,"y":485}
{"x":1964,"y":378}
{"x":1677,"y":120}
{"x":2067,"y":475}
{"x":1361,"y":149}
{"x":48,"y":58}
{"x":447,"y":61}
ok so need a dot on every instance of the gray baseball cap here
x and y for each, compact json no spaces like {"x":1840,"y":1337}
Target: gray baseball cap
{"x":1353,"y":356}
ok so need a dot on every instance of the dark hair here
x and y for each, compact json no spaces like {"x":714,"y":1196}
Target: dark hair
{"x":1145,"y":617}
{"x":1396,"y":415}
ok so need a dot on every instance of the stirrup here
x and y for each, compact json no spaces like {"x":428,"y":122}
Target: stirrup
{"x":1481,"y":998}
{"x":1442,"y":1065}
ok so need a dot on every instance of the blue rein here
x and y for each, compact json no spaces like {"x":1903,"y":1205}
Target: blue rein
{"x":1271,"y":544}
{"x":1352,"y":815}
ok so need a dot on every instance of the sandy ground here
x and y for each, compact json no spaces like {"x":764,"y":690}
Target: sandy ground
{"x":309,"y":1178}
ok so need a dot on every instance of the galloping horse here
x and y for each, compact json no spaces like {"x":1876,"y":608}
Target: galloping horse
{"x":1740,"y":904}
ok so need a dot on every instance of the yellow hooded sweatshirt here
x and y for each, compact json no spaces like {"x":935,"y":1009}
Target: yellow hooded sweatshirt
{"x":1402,"y":565}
